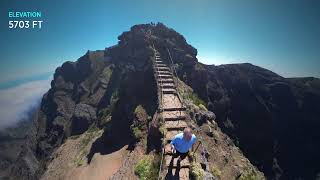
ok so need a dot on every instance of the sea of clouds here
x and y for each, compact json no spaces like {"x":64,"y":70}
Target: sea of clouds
{"x":16,"y":102}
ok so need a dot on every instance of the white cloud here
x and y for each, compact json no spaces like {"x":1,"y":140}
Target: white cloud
{"x":15,"y":102}
{"x":218,"y":60}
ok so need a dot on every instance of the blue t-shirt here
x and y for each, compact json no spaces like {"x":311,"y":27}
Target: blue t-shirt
{"x":181,"y":144}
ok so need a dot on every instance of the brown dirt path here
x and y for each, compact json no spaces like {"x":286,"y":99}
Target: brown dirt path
{"x":63,"y":165}
{"x":101,"y":167}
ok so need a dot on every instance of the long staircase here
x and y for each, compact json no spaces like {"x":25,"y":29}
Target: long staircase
{"x":173,"y":114}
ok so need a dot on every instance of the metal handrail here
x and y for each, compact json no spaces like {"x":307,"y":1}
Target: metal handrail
{"x":197,"y":129}
{"x":161,"y":106}
{"x":175,"y":79}
{"x":156,"y":74}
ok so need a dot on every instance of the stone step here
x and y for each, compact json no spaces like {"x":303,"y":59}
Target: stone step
{"x":168,"y":86}
{"x":161,"y":65}
{"x":175,"y":109}
{"x":176,"y":118}
{"x":166,"y":80}
{"x":175,"y":125}
{"x":174,"y":115}
{"x":163,"y":68}
{"x":171,"y":133}
{"x":159,"y":61}
{"x":173,"y":162}
{"x":165,"y":73}
{"x":168,"y":91}
{"x":183,"y":173}
{"x":165,"y":76}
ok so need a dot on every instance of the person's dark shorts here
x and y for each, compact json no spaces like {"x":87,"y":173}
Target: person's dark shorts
{"x":182,"y":155}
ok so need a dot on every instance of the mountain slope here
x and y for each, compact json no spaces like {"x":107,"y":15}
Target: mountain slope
{"x":274,"y":119}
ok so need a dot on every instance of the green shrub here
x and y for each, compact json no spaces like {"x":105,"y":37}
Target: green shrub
{"x":139,"y":109}
{"x":106,"y":73}
{"x":162,"y":130}
{"x":93,"y":129}
{"x":136,"y":133}
{"x":114,"y":96}
{"x":202,"y":107}
{"x":75,"y":136}
{"x":196,"y":171}
{"x":194,"y":98}
{"x":249,"y":175}
{"x":141,"y":116}
{"x":105,"y":112}
{"x":215,"y":171}
{"x":147,"y":168}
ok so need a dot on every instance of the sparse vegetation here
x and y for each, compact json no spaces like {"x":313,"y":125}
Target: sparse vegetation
{"x":86,"y":138}
{"x":106,"y":73}
{"x":136,"y":133}
{"x":105,"y":113}
{"x":197,"y":173}
{"x":188,"y":94}
{"x":139,"y":109}
{"x":162,"y":129}
{"x":139,"y":124}
{"x":147,"y":168}
{"x":105,"y":116}
{"x":192,"y":156}
{"x":74,"y":136}
{"x":215,"y":171}
{"x":114,"y":97}
{"x":93,"y":129}
{"x":80,"y":162}
{"x":249,"y":175}
{"x":196,"y":100}
{"x":202,"y":107}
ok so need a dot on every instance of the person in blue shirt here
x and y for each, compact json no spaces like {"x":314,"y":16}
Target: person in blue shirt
{"x":182,"y":143}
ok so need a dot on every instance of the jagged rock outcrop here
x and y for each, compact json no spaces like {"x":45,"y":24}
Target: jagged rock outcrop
{"x":83,"y":116}
{"x":204,"y":116}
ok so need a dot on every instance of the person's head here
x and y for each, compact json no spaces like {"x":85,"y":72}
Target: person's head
{"x":187,"y":134}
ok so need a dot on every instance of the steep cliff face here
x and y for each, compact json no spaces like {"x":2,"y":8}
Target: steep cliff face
{"x":272,"y":119}
{"x":100,"y":89}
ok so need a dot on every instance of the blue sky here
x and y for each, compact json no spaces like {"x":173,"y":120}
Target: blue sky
{"x":283,"y":36}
